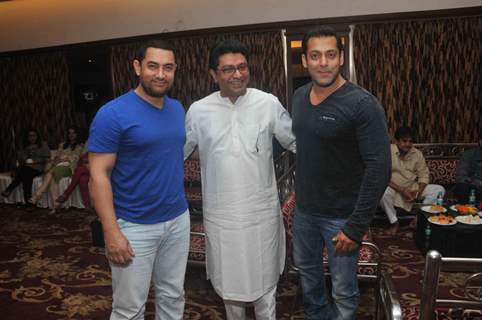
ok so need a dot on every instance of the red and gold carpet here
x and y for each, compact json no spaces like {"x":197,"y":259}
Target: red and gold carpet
{"x":50,"y":270}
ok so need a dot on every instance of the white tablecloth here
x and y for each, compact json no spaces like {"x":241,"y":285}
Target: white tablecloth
{"x":75,"y":200}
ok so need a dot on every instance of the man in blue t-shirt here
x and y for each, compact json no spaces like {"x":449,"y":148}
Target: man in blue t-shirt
{"x":136,"y":164}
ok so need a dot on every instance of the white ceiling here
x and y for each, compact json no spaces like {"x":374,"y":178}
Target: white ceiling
{"x":27,"y":24}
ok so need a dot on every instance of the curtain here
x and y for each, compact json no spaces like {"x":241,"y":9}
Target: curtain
{"x":193,"y":81}
{"x":35,"y":92}
{"x":426,"y":74}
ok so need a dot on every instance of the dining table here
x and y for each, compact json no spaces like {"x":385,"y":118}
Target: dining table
{"x":462,"y":237}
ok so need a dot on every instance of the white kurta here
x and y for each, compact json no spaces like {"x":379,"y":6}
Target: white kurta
{"x":245,"y":239}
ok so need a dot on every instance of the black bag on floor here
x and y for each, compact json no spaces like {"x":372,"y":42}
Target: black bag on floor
{"x":97,"y":233}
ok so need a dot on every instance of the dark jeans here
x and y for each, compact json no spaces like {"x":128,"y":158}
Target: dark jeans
{"x":311,"y":234}
{"x":24,"y":175}
{"x":462,"y":192}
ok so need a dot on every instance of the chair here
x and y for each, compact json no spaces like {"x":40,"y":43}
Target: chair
{"x":192,"y":185}
{"x":197,"y":247}
{"x":17,"y":194}
{"x":389,"y":305}
{"x":75,"y":199}
{"x":472,"y":289}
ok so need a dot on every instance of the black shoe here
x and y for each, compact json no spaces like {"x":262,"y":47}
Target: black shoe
{"x":5,"y":194}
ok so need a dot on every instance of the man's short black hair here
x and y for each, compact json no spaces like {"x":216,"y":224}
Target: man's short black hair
{"x":158,"y":44}
{"x":319,"y":32}
{"x":226,"y":46}
{"x":403,"y":132}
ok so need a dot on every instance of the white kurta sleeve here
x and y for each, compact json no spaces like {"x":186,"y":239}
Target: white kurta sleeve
{"x":282,"y":128}
{"x":191,"y":135}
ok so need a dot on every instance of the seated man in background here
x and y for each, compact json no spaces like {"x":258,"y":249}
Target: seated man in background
{"x":468,"y":175}
{"x":409,"y":181}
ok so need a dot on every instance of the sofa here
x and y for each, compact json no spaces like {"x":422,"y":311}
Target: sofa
{"x":442,"y":160}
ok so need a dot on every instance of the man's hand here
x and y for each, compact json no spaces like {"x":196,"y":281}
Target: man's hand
{"x":410,"y":196}
{"x":343,"y":243}
{"x":118,"y":249}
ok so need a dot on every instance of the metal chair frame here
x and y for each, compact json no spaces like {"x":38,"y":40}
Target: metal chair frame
{"x":434,"y":264}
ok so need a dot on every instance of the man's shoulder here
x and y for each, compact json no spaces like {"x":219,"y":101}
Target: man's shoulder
{"x":118,"y":109}
{"x":173,"y":102}
{"x":360,"y":96}
{"x":472,"y":152}
{"x":122,"y":100}
{"x":256,"y":95}
{"x":356,"y":88}
{"x":417,"y":153}
{"x":260,"y":93}
{"x":302,"y":90}
{"x":206,"y":101}
{"x":198,"y":106}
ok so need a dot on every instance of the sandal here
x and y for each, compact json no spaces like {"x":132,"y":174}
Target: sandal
{"x":34,"y":199}
{"x":61,"y":199}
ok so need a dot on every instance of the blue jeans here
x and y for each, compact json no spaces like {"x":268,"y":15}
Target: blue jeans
{"x":161,"y":252}
{"x":310,"y":235}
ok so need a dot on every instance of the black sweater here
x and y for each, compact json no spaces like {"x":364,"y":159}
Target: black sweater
{"x":343,"y":163}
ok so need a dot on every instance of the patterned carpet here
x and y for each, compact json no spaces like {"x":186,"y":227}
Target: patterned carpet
{"x":50,"y":270}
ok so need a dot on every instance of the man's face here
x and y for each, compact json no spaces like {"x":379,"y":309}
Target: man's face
{"x":156,"y":71}
{"x":404,"y":144}
{"x":232,"y":75}
{"x":32,"y":137}
{"x":323,"y":60}
{"x":72,"y":135}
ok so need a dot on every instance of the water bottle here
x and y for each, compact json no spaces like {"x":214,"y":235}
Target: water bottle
{"x":428,"y":233}
{"x":440,"y":199}
{"x":472,"y":200}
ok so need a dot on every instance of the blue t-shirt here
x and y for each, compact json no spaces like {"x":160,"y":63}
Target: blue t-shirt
{"x":148,"y":176}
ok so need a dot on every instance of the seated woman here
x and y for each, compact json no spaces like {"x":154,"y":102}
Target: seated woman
{"x":80,"y":178}
{"x":32,"y":159}
{"x":60,"y":166}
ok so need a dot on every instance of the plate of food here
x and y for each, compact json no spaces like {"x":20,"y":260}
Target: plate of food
{"x":464,"y":208}
{"x":443,"y":220}
{"x":434,"y":209}
{"x":469,"y":219}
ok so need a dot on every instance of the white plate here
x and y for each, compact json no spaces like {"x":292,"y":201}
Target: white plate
{"x":429,"y":210}
{"x":469,"y":219}
{"x":431,"y":219}
{"x":453,"y":207}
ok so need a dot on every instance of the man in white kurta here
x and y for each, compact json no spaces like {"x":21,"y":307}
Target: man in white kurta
{"x":233,"y":130}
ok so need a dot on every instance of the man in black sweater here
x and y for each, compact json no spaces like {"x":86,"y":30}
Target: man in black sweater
{"x":342,"y":169}
{"x":468,"y":176}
